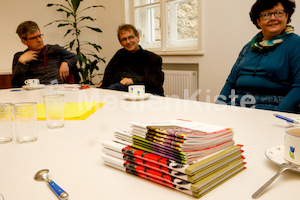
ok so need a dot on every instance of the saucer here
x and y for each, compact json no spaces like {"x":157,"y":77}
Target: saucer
{"x":142,"y":97}
{"x":27,"y":87}
{"x":276,"y":155}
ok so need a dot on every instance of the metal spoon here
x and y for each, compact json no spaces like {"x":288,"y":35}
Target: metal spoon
{"x":42,"y":176}
{"x":283,"y":167}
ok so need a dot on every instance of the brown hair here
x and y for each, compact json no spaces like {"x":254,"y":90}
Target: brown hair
{"x":127,"y":27}
{"x":27,"y":27}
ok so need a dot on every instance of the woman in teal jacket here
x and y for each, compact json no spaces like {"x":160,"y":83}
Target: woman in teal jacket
{"x":266,"y":74}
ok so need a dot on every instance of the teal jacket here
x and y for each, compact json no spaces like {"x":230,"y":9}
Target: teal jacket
{"x":270,"y":79}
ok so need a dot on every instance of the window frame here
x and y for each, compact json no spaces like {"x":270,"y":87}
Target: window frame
{"x":165,"y":49}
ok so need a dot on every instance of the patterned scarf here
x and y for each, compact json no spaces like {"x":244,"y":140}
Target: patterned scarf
{"x":258,"y":45}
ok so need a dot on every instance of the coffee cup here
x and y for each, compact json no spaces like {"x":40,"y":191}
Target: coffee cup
{"x":292,"y":145}
{"x":32,"y":82}
{"x":136,"y":90}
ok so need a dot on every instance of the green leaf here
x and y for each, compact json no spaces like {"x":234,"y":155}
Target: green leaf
{"x":62,"y":25}
{"x":86,"y":18}
{"x":84,"y":59}
{"x":61,"y":6}
{"x":56,"y":21}
{"x":76,"y":4}
{"x":68,"y":31}
{"x":94,"y":29}
{"x":98,"y":58}
{"x":68,"y":2}
{"x":97,"y":47}
{"x":103,"y":60}
{"x":72,"y":44}
{"x":80,"y":61}
{"x":68,"y":13}
{"x":95,"y":6}
{"x":61,"y":10}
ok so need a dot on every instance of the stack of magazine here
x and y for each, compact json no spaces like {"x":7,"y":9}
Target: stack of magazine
{"x":187,"y":156}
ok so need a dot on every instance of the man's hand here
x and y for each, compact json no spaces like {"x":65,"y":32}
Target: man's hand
{"x":28,"y":56}
{"x":126,"y":81}
{"x":64,"y":72}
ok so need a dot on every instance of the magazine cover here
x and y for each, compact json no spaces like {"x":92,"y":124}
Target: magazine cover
{"x":182,"y":128}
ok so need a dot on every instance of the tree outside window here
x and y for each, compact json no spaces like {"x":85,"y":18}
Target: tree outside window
{"x":168,"y":25}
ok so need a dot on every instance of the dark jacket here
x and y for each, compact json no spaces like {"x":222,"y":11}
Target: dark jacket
{"x":46,"y":68}
{"x":144,"y":67}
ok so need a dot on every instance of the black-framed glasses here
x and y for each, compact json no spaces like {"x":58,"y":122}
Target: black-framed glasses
{"x":268,"y":15}
{"x":35,"y":38}
{"x":123,"y":40}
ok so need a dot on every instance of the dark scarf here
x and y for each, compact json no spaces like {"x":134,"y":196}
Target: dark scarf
{"x":259,"y":45}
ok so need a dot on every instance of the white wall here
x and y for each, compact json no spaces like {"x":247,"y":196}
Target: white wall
{"x":226,"y":29}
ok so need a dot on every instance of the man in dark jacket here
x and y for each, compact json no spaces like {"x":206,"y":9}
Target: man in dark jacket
{"x":133,"y":65}
{"x":48,"y":63}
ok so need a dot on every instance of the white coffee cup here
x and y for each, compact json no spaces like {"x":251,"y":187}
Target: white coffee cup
{"x":292,"y":145}
{"x":32,"y":82}
{"x":136,"y":90}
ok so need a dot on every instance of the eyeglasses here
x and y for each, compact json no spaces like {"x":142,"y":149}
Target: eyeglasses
{"x":130,"y":38}
{"x":35,"y":38}
{"x":268,"y":15}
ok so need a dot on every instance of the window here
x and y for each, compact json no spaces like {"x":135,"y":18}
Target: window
{"x":168,"y":26}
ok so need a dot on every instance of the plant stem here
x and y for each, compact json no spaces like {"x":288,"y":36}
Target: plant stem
{"x":77,"y":33}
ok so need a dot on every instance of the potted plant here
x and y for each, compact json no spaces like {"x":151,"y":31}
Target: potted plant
{"x":87,"y":52}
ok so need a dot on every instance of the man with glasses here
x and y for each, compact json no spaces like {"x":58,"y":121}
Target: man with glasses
{"x":48,"y":63}
{"x":133,"y":65}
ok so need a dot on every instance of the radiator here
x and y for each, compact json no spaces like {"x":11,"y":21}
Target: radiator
{"x":180,"y":84}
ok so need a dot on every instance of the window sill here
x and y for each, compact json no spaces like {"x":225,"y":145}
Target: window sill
{"x":179,"y":53}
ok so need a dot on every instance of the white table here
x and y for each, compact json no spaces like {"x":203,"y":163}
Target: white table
{"x":73,"y":153}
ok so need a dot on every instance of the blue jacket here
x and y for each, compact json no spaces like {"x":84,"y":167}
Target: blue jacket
{"x":271,"y":78}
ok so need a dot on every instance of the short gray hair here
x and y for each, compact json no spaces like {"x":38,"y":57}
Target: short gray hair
{"x":27,"y":27}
